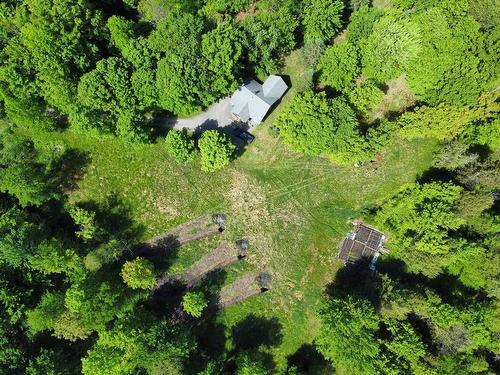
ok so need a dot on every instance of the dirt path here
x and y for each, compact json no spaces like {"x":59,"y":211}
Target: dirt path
{"x":244,"y":287}
{"x":194,"y":229}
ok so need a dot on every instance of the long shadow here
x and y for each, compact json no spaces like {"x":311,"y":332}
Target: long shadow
{"x":255,"y":331}
{"x":114,"y":218}
{"x":307,"y":360}
{"x":436,"y":174}
{"x":69,"y":169}
{"x":356,"y":279}
{"x":209,"y":331}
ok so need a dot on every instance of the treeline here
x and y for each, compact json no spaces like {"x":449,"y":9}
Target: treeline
{"x":109,"y":67}
{"x":445,"y":51}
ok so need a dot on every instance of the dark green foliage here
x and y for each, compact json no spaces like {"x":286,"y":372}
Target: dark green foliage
{"x":339,"y":66}
{"x":420,"y":219}
{"x":347,"y":338}
{"x":222,"y":48}
{"x":180,"y":145}
{"x":151,"y":345}
{"x":108,"y":90}
{"x":23,"y":173}
{"x":322,"y":19}
{"x":315,"y":125}
{"x":270,"y":35}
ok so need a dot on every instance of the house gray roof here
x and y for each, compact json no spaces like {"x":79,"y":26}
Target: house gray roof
{"x":252,"y":101}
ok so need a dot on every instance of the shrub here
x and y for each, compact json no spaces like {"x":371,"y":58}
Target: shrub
{"x":215,"y":150}
{"x":139,"y":274}
{"x":180,"y":145}
{"x":194,"y":303}
{"x":365,"y":96}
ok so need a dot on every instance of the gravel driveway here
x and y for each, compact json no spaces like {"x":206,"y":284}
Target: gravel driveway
{"x":218,"y":115}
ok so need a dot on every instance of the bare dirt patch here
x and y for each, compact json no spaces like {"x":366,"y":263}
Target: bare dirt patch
{"x":244,"y":14}
{"x":397,"y":99}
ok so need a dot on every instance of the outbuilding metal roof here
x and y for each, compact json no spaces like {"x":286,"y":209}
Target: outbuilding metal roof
{"x":252,"y":101}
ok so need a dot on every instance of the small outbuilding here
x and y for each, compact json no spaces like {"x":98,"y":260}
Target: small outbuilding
{"x":363,"y":242}
{"x":252,"y":101}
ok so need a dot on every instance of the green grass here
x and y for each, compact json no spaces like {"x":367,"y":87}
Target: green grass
{"x":293,"y":209}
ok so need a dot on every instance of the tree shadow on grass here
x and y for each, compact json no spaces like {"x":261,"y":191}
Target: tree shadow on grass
{"x":357,"y":279}
{"x":307,"y":360}
{"x":114,"y":218}
{"x":255,"y":331}
{"x":69,"y":169}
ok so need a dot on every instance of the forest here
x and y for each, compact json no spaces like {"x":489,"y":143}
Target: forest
{"x":391,"y":117}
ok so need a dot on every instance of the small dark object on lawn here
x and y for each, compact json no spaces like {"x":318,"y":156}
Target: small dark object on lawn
{"x":219,"y":219}
{"x":242,"y":246}
{"x":244,"y":136}
{"x":264,"y":281}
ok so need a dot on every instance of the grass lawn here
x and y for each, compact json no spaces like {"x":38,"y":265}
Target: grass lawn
{"x":293,"y":209}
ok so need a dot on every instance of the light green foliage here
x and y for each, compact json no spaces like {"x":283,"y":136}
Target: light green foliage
{"x":85,"y":220}
{"x":156,"y":347}
{"x":70,"y":327}
{"x":194,"y":303}
{"x":180,"y":145}
{"x":139,"y":273}
{"x":92,"y":303}
{"x":443,"y":122}
{"x":250,"y":364}
{"x":361,"y":24}
{"x":212,"y":7}
{"x":365,"y":96}
{"x":420,"y":219}
{"x":314,"y":125}
{"x":52,"y":257}
{"x":454,"y":155}
{"x":181,"y":78}
{"x":104,"y":254}
{"x":216,"y":150}
{"x":451,"y":67}
{"x":46,"y":313}
{"x":339,"y":66}
{"x":322,"y":19}
{"x":347,"y":338}
{"x":222,"y":48}
{"x":476,"y":266}
{"x":391,"y":49}
{"x":405,"y":350}
{"x":270,"y":35}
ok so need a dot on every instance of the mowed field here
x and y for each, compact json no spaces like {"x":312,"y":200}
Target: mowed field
{"x":293,"y":209}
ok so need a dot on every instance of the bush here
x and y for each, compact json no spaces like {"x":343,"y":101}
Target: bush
{"x":215,"y":150}
{"x":365,"y":96}
{"x":180,"y":145}
{"x":194,"y":303}
{"x":139,"y":274}
{"x":338,"y":67}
